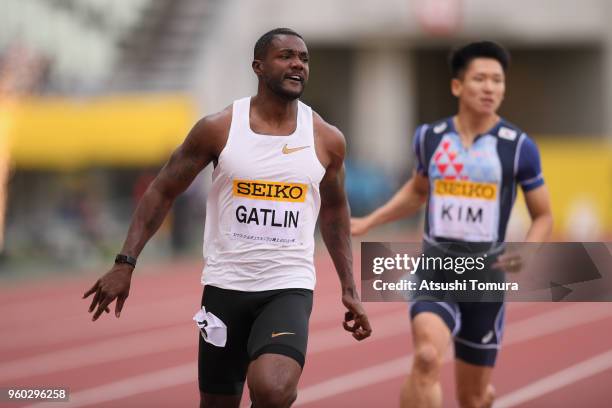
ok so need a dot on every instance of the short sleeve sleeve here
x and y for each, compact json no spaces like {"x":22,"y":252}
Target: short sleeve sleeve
{"x":417,"y":147}
{"x":529,"y":169}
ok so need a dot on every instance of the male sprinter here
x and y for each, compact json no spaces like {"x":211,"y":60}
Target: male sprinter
{"x":457,"y":159}
{"x":276,"y":163}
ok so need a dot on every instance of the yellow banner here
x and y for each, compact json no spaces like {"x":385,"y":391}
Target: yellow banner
{"x":126,"y":130}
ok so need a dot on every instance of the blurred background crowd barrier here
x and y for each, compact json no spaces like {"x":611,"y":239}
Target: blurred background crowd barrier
{"x":95,"y":94}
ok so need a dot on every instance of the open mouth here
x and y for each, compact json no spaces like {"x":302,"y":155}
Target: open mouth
{"x":296,"y":78}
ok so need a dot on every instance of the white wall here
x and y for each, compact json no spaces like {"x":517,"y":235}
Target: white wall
{"x":378,"y":31}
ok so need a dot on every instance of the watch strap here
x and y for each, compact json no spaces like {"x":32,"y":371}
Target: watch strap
{"x":125,"y":259}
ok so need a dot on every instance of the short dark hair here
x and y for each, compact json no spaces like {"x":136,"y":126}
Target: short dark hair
{"x":460,"y":58}
{"x":261,"y":46}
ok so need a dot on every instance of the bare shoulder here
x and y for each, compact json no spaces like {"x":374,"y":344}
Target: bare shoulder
{"x":329,"y":140}
{"x":210,"y":132}
{"x":215,"y":125}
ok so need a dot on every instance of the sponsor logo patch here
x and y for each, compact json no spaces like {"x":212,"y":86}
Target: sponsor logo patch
{"x":270,"y":190}
{"x":487,"y":337}
{"x":289,"y":150}
{"x":466,"y":189}
{"x":440,"y":128}
{"x":506,"y":133}
{"x":281,"y":334}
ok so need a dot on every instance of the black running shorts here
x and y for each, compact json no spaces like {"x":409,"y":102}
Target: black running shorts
{"x":271,"y":321}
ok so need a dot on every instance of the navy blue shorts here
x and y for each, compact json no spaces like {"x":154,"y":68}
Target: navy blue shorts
{"x":477,"y":327}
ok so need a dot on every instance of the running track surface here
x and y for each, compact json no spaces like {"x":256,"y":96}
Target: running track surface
{"x":554,"y":355}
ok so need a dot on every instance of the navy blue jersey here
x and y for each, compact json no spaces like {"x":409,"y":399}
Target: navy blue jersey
{"x":472,"y":190}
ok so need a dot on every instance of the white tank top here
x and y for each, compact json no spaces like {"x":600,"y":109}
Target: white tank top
{"x":262,"y":208}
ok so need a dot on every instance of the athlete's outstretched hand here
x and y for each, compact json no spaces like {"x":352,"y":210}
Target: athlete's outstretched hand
{"x":115,"y":284}
{"x":361,"y":327}
{"x":359,"y":225}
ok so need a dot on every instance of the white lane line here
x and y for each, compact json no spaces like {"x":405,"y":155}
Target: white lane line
{"x":564,"y":318}
{"x":555,"y":320}
{"x":79,"y":327}
{"x":158,"y":314}
{"x":97,"y":353}
{"x":327,"y":339}
{"x":68,"y":303}
{"x":567,"y":376}
{"x":388,"y":325}
{"x":168,"y":377}
{"x":362,"y":378}
{"x":524,"y":330}
{"x":165,"y":339}
{"x":135,"y":318}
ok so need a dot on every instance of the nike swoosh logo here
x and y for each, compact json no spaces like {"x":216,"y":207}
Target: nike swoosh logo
{"x":487,"y":337}
{"x":289,"y":150}
{"x":280,"y":334}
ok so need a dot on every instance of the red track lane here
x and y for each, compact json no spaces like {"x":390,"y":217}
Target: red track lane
{"x":519,"y":365}
{"x":592,"y":392}
{"x":43,"y":321}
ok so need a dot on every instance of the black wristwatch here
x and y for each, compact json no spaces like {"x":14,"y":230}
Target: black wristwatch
{"x":125,"y":259}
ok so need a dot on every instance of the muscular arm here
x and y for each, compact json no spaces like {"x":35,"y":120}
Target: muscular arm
{"x":202,"y":145}
{"x":334,"y":213}
{"x":406,"y":202}
{"x":335,"y":225}
{"x":184,"y":164}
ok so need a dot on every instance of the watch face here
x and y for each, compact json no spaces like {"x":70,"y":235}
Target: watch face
{"x":124,"y":259}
